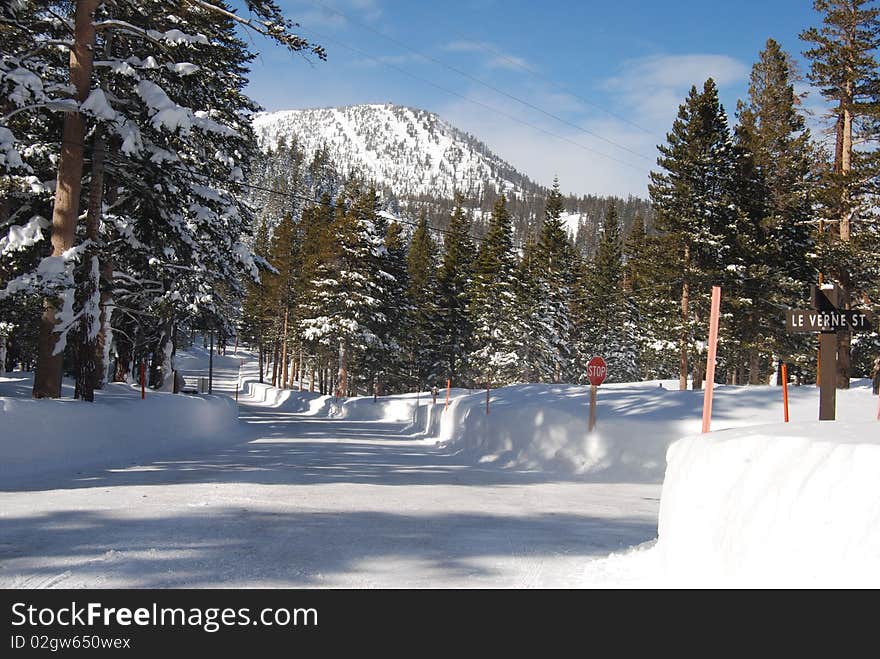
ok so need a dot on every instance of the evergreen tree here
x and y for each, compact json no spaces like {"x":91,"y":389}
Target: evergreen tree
{"x":555,"y":262}
{"x":844,"y":66}
{"x":424,"y":320}
{"x":345,"y":309}
{"x":388,"y":361}
{"x":648,"y":276}
{"x":774,"y":175}
{"x":694,"y":199}
{"x":609,"y":327}
{"x":454,"y":283}
{"x":493,"y":303}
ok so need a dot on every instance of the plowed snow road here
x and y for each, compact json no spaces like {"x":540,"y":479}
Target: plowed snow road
{"x":312,"y":502}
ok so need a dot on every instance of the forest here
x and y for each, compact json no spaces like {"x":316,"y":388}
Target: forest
{"x":136,"y":210}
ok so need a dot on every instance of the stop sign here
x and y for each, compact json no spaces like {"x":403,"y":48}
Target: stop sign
{"x":597,"y":371}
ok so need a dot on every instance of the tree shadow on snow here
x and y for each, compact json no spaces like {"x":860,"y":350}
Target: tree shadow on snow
{"x":308,"y":549}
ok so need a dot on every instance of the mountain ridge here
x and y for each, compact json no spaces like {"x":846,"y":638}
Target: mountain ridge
{"x":410,"y":150}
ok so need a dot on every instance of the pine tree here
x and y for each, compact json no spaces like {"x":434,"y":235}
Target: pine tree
{"x":844,"y":66}
{"x":694,"y":199}
{"x":454,"y":283}
{"x":493,"y":303}
{"x":555,"y":261}
{"x":648,"y":285}
{"x":424,"y":321}
{"x":609,"y":320}
{"x":166,"y":142}
{"x":775,"y":242}
{"x":345,"y":310}
{"x":387,"y":360}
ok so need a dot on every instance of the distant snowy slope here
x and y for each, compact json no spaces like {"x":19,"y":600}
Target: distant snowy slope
{"x":412,"y":151}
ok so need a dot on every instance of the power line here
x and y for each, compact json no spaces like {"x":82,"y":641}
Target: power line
{"x":480,"y":81}
{"x":537,"y":75}
{"x":471,"y":100}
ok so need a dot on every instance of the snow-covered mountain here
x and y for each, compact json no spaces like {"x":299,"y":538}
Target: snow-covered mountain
{"x":412,"y":151}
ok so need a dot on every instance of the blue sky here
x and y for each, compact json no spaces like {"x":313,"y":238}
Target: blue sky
{"x":613,"y":69}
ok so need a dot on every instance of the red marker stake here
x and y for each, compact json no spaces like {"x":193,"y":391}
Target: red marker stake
{"x":710,"y":359}
{"x":785,"y":390}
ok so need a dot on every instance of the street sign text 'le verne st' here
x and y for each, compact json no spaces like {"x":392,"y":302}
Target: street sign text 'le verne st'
{"x":827,"y":319}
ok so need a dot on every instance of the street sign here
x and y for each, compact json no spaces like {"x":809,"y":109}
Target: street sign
{"x":836,"y":320}
{"x":597,"y":371}
{"x":828,"y":320}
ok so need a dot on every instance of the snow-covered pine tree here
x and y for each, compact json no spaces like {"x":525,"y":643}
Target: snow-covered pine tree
{"x":609,"y":320}
{"x":555,"y":266}
{"x":389,"y":361}
{"x":319,"y":250}
{"x":844,"y":66}
{"x":344,"y":312}
{"x":695,"y":207}
{"x":454,"y":285}
{"x":493,"y":303}
{"x":649,"y":283}
{"x":424,"y":335}
{"x":133,"y":97}
{"x":534,"y":329}
{"x":775,"y":175}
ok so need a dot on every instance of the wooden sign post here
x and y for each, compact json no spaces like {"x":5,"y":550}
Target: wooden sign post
{"x":597,"y":371}
{"x":827,"y":319}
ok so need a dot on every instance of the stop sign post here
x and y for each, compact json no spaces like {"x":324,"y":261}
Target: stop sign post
{"x":597,"y":371}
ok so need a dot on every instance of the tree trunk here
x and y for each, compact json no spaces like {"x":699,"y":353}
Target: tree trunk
{"x":260,"y":361}
{"x":342,"y":377}
{"x":284,"y":350}
{"x":164,"y":377}
{"x":275,"y":364}
{"x":844,"y":339}
{"x":754,"y":367}
{"x":105,"y":335}
{"x":3,"y":341}
{"x":291,"y":380}
{"x":698,"y":373}
{"x":683,"y":337}
{"x":89,"y":286}
{"x":50,"y":361}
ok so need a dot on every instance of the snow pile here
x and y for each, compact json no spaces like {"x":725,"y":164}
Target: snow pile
{"x":40,"y":437}
{"x":398,"y":408}
{"x":544,"y":427}
{"x":777,"y":505}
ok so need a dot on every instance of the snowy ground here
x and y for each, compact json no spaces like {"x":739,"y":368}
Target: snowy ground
{"x":362,"y":495}
{"x":315,"y":501}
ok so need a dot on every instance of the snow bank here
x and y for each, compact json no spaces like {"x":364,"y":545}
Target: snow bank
{"x":544,"y":427}
{"x":776,"y":505}
{"x":55,"y":436}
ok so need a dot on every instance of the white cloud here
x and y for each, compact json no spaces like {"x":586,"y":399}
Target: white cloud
{"x":653,"y":87}
{"x":574,"y":158}
{"x":495,"y":58}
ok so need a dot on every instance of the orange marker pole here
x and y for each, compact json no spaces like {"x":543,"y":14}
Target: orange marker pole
{"x":448,"y":387}
{"x":785,"y":390}
{"x":710,"y":360}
